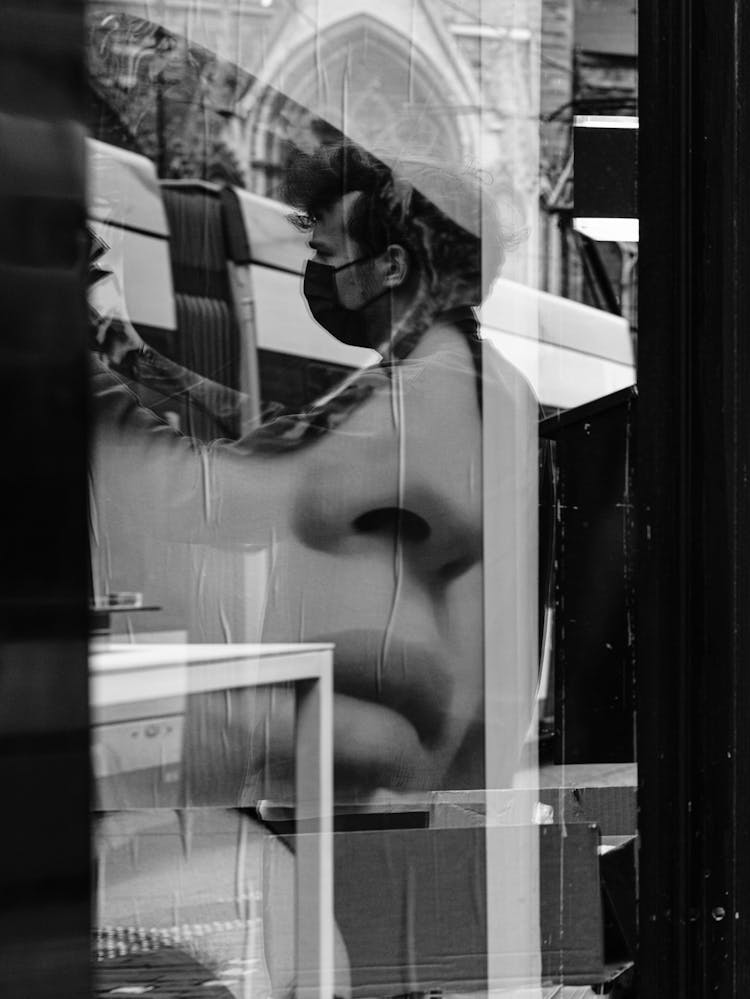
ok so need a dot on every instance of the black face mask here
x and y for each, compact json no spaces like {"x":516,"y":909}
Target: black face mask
{"x":320,"y":290}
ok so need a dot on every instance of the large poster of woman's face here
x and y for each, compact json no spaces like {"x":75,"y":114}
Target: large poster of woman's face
{"x":365,"y":515}
{"x":303,"y":435}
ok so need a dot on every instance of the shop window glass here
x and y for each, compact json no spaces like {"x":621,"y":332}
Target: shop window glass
{"x":363,"y":327}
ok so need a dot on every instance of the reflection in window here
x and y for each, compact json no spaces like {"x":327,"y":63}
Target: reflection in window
{"x":337,"y":288}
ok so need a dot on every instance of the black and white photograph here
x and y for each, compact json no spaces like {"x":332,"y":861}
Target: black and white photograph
{"x":376,"y":563}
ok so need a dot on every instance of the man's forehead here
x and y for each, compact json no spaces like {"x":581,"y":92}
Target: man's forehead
{"x":331,"y":225}
{"x":338,"y":213}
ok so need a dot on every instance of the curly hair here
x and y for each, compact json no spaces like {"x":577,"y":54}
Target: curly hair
{"x":443,"y":218}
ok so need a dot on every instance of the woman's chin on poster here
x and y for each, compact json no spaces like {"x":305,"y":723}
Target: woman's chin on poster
{"x":384,"y":560}
{"x":381,"y":554}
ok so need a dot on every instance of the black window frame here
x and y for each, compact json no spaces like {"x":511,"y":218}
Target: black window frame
{"x":691,"y":480}
{"x":691,"y":477}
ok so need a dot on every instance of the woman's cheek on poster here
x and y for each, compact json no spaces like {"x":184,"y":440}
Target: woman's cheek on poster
{"x":383,"y":559}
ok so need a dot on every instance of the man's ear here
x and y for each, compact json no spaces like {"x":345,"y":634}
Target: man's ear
{"x":394,"y":263}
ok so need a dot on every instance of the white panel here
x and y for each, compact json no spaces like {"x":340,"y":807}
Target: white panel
{"x":562,"y":378}
{"x":514,"y":308}
{"x":273,"y":239}
{"x":609,"y":230}
{"x":123,"y":186}
{"x":141,"y":285}
{"x":605,"y":121}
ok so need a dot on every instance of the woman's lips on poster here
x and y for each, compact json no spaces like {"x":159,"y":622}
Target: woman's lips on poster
{"x":406,"y":677}
{"x":391,"y":710}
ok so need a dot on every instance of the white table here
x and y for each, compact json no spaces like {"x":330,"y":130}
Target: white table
{"x":138,"y":675}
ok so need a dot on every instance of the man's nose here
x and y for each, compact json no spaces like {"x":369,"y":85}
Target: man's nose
{"x":376,"y":499}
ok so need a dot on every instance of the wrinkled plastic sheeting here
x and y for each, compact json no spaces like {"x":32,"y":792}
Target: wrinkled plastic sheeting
{"x":395,"y":518}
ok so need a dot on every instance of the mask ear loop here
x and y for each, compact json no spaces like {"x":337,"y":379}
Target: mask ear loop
{"x":350,"y":263}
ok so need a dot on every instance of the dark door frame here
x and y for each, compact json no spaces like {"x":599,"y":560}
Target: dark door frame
{"x":44,"y":734}
{"x":693,"y":498}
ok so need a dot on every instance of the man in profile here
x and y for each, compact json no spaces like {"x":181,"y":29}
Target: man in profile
{"x":430,"y":458}
{"x":400,"y":511}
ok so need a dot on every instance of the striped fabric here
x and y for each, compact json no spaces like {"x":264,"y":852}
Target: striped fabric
{"x":208,"y":335}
